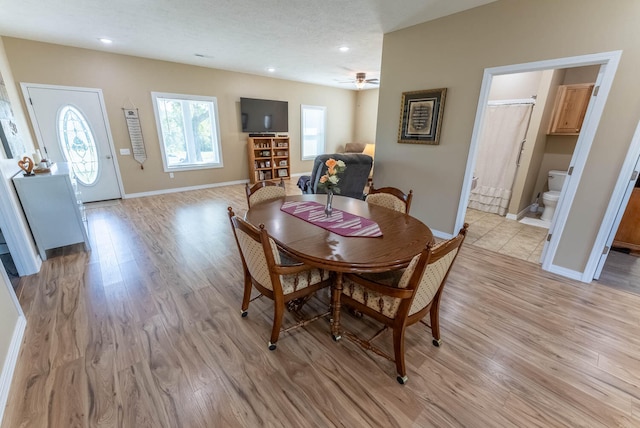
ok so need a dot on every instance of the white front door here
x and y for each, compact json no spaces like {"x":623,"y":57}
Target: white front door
{"x":71,"y":126}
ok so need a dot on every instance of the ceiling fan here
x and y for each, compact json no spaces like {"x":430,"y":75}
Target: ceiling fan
{"x":361,"y":80}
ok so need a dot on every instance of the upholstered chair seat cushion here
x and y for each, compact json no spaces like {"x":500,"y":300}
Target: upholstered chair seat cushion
{"x":388,"y":306}
{"x":257,"y":265}
{"x":298,"y":281}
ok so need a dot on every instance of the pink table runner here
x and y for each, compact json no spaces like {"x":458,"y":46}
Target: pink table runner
{"x":340,"y":222}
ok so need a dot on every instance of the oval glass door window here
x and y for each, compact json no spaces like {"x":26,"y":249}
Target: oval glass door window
{"x":78,"y":144}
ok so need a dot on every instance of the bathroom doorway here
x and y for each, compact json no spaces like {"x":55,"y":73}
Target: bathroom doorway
{"x":514,"y":156}
{"x":608,"y":63}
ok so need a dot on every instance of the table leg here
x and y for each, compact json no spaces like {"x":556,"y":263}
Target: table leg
{"x":335,"y":307}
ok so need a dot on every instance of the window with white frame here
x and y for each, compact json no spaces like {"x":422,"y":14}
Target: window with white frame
{"x":314,"y":119}
{"x":188,"y":130}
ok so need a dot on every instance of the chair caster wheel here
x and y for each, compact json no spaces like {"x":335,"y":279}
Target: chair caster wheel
{"x":336,"y":337}
{"x":402,"y":379}
{"x":437,"y":342}
{"x":244,"y":314}
{"x":272,"y":346}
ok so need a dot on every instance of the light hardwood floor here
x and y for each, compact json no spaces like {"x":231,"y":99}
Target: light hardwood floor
{"x":622,"y":271}
{"x":145,"y":331}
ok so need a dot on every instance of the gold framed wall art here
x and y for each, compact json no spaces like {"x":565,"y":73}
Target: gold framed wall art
{"x":421,"y":116}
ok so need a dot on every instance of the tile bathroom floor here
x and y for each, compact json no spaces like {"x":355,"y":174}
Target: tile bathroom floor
{"x":509,"y":237}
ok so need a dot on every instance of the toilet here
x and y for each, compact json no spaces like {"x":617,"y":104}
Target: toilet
{"x":550,"y":198}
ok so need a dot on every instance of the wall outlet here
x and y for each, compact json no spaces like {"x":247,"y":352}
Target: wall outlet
{"x":125,"y":152}
{"x":171,"y":175}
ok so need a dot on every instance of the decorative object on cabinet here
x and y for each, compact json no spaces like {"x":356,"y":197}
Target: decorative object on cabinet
{"x":268,"y":158}
{"x":421,"y":116}
{"x":53,"y":209}
{"x":570,"y":108}
{"x":26,"y":164}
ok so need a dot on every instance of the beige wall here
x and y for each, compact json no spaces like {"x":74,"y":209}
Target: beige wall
{"x":127,"y":80}
{"x":515,"y":86}
{"x":366,"y":116}
{"x":453,"y":52}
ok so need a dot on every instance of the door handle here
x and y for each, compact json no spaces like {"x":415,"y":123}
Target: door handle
{"x":108,"y":156}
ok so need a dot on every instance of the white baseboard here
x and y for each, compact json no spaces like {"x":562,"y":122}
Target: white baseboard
{"x":521,"y":214}
{"x":568,"y":273}
{"x":10,"y":362}
{"x":182,"y":189}
{"x":200,"y":187}
{"x":441,"y":235}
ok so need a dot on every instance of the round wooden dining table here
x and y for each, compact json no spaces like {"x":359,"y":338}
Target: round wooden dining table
{"x":402,"y":238}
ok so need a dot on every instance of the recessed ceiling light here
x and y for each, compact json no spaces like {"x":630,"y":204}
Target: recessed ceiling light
{"x":106,"y":41}
{"x":344,"y":48}
{"x":271,"y":69}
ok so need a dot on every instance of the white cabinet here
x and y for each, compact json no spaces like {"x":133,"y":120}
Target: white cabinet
{"x":53,"y":208}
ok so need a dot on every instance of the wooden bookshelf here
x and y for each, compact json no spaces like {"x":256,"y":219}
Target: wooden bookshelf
{"x":268,"y":158}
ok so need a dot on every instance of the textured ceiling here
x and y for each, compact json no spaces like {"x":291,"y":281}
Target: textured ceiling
{"x":299,"y":38}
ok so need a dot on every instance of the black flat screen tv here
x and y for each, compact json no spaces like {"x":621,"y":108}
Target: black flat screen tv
{"x":264,"y":116}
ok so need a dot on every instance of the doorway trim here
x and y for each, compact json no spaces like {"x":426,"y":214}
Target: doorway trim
{"x":608,"y":62}
{"x":615,"y":210}
{"x":32,"y":117}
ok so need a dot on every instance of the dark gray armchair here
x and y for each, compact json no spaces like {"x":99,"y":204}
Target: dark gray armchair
{"x":352,"y":181}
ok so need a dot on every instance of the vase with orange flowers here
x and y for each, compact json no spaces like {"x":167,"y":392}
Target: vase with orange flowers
{"x":329,"y":181}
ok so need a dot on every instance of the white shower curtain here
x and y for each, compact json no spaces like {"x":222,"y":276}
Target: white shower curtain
{"x":504,"y":129}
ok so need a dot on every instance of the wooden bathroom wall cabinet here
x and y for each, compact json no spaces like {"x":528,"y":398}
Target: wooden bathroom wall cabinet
{"x":569,"y":109}
{"x":628,"y":234}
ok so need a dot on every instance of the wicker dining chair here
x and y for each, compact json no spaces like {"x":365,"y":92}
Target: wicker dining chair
{"x":264,"y":191}
{"x":390,"y":197}
{"x":287,"y":282}
{"x":401,"y":298}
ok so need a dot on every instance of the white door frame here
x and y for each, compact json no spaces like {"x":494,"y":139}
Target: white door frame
{"x":615,"y":210}
{"x":608,"y":62}
{"x":14,"y":228}
{"x":25,"y":94}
